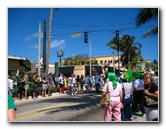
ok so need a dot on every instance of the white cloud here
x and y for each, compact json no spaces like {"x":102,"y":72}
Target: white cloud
{"x":35,"y":35}
{"x":32,"y":36}
{"x":34,"y":46}
{"x":54,"y":44}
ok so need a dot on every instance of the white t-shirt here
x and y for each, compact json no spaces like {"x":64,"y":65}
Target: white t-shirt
{"x":61,"y":80}
{"x":10,"y":83}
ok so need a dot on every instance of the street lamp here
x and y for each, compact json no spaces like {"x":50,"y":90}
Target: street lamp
{"x":60,"y":55}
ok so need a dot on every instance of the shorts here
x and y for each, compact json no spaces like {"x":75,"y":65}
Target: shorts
{"x":44,"y":86}
{"x":20,"y":89}
{"x":86,"y":85}
{"x":26,"y":86}
{"x":34,"y":88}
{"x":50,"y":88}
{"x":61,"y":85}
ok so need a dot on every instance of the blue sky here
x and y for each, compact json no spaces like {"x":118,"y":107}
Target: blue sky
{"x":101,"y":23}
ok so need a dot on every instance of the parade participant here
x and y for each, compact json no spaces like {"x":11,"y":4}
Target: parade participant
{"x":115,"y":90}
{"x":127,"y":95}
{"x":138,"y":94}
{"x":151,"y":99}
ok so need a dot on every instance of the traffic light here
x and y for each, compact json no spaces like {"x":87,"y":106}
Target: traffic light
{"x":85,"y":37}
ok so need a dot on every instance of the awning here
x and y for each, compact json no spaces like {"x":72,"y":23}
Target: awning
{"x":94,"y":69}
{"x":66,"y":70}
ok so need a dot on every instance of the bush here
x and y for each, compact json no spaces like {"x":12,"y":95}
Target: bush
{"x":39,"y":91}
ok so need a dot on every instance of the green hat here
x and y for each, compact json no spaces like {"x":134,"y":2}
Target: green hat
{"x":112,"y":77}
{"x":137,"y":75}
{"x":128,"y":75}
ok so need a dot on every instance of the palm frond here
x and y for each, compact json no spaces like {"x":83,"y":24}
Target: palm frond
{"x":152,"y":32}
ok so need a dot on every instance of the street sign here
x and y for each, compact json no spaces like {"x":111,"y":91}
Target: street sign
{"x":76,"y":35}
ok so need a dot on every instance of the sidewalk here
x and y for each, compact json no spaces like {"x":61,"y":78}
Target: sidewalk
{"x":38,"y":98}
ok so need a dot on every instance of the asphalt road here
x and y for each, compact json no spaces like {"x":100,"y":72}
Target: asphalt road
{"x":64,"y":108}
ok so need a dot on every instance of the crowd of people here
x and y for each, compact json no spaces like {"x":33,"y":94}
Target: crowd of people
{"x":73,"y":84}
{"x":129,"y":93}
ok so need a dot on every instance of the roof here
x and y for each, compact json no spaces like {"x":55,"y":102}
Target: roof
{"x":16,"y":58}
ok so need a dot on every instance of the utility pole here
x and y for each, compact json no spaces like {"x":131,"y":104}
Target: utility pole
{"x":49,"y":42}
{"x":39,"y":36}
{"x":44,"y":48}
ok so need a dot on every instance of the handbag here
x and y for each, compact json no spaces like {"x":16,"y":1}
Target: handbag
{"x":150,"y":102}
{"x":105,"y":102}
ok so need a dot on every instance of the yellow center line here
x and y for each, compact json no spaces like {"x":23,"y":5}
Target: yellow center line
{"x":45,"y":110}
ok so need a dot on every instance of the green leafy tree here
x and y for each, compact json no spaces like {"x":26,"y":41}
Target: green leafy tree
{"x":145,"y":15}
{"x":80,"y":59}
{"x":131,"y":52}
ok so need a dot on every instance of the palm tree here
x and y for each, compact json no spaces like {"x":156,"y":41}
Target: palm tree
{"x":131,"y":53}
{"x":145,"y":15}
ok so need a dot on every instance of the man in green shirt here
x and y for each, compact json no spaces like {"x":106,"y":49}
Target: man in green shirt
{"x":20,"y":85}
{"x":35,"y":81}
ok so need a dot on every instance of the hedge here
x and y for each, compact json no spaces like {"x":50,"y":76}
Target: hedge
{"x":39,"y":91}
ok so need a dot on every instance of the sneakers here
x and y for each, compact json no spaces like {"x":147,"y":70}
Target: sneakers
{"x":34,"y":98}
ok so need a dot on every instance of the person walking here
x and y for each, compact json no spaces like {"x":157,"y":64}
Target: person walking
{"x":151,"y":99}
{"x":115,"y":90}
